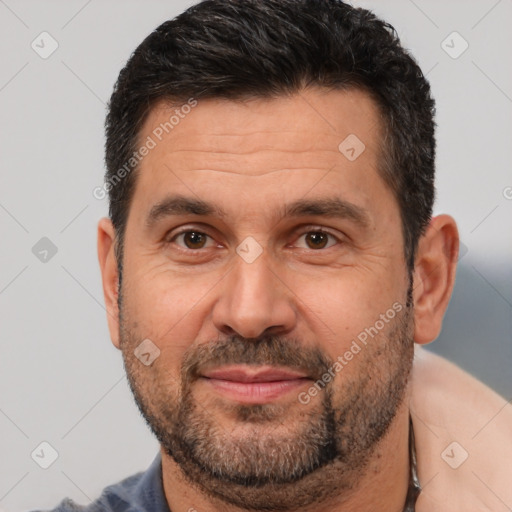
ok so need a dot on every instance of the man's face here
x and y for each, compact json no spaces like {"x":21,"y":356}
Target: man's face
{"x":249,"y":308}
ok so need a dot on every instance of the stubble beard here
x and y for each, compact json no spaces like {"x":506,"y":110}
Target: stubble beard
{"x":277,"y":457}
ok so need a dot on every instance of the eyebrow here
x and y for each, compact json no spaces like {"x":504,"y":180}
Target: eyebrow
{"x":330,"y":207}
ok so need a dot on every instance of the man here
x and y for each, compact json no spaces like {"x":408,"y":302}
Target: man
{"x":270,"y":264}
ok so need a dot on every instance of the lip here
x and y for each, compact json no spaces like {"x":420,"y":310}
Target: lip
{"x":248,"y":384}
{"x":244,"y":373}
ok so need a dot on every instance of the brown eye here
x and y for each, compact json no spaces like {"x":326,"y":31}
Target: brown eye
{"x":190,"y":240}
{"x":317,"y":240}
{"x":194,"y":239}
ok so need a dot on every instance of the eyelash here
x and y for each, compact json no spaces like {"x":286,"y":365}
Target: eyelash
{"x":308,"y":230}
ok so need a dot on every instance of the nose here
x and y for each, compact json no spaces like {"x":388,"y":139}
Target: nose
{"x":254,"y":300}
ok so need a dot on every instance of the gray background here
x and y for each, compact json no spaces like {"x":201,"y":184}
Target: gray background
{"x":61,"y":379}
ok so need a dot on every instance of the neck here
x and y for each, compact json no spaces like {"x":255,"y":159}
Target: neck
{"x":383,"y":484}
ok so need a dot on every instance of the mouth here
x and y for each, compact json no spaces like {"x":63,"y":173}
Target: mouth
{"x":256,"y":385}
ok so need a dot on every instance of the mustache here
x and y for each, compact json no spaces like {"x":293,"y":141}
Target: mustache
{"x":267,"y":350}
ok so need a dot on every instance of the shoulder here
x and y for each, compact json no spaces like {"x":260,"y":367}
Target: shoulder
{"x":463,"y":433}
{"x":141,"y":492}
{"x":118,"y":497}
{"x":67,"y":505}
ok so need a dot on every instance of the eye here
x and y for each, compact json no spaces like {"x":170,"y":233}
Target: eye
{"x":194,"y":240}
{"x":191,"y":239}
{"x":318,"y":239}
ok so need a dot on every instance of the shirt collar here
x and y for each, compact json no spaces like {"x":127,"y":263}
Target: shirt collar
{"x":149,"y":491}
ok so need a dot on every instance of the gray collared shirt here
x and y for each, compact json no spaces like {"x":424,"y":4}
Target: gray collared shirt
{"x":142,"y":492}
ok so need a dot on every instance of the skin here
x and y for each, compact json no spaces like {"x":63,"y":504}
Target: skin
{"x":251,"y":158}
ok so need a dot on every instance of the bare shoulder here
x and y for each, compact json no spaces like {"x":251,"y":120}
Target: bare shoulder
{"x":449,"y":389}
{"x":463,"y":433}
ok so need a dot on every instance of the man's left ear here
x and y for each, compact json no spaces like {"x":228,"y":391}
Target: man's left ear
{"x":434,"y":276}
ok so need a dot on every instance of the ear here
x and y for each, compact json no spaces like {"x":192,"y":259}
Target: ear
{"x":109,"y":275}
{"x":434,"y":277}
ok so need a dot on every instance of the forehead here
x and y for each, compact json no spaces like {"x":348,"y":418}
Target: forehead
{"x":268,"y":147}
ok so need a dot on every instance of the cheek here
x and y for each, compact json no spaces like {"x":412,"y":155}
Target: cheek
{"x":162,"y":297}
{"x":342,"y":304}
{"x":168,"y":308}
